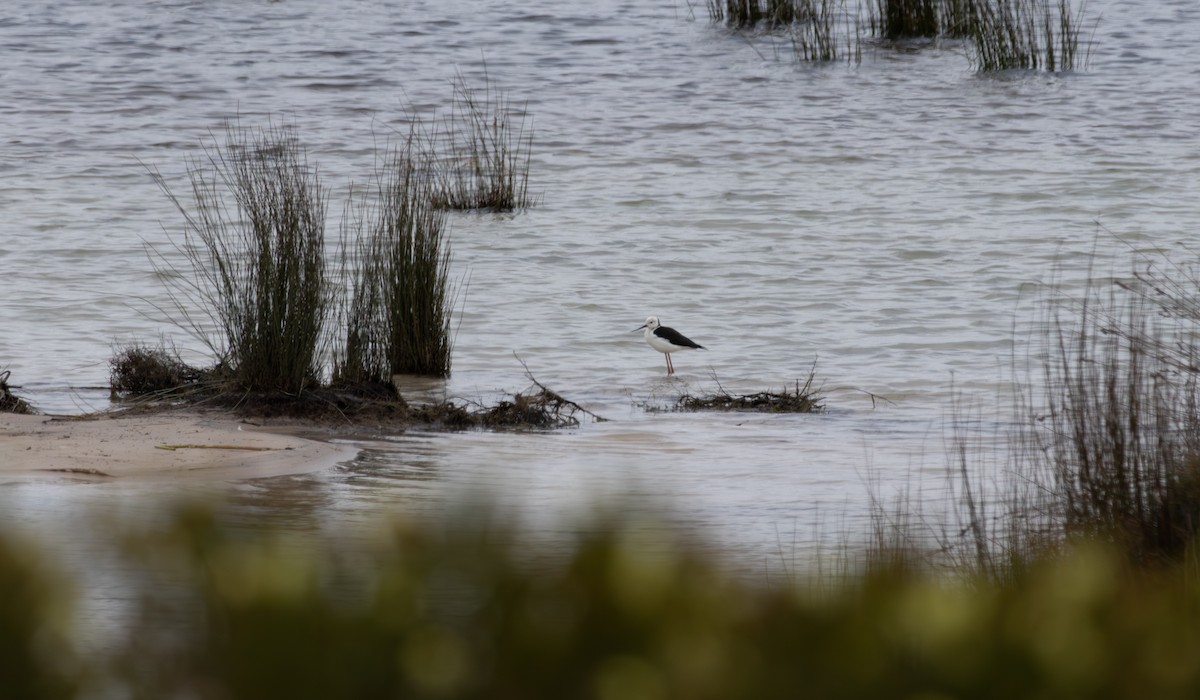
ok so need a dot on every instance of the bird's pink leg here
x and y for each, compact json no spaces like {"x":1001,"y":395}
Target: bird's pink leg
{"x":670,"y":367}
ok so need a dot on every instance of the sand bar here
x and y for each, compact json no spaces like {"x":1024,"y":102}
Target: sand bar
{"x":163,"y":445}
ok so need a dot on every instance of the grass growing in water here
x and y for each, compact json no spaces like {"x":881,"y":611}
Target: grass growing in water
{"x":814,"y":36}
{"x":1003,"y":34}
{"x":896,"y":20}
{"x":904,"y":19}
{"x":1121,"y":428}
{"x":1107,"y":448}
{"x":254,"y":238}
{"x":398,"y":318}
{"x":957,"y":18}
{"x":1026,"y":35}
{"x":748,"y":14}
{"x":482,"y":153}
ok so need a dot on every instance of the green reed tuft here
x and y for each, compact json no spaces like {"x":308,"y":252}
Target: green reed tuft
{"x":1026,"y":35}
{"x":1106,"y":449}
{"x":904,"y":19}
{"x":1121,"y":429}
{"x":629,"y":608}
{"x":482,"y":152}
{"x":398,"y":318}
{"x":814,"y":36}
{"x":254,"y":239}
{"x":36,"y":657}
{"x":748,"y":14}
{"x":1002,"y":34}
{"x":957,"y":18}
{"x":896,"y":20}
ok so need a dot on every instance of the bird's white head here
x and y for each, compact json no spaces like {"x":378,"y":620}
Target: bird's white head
{"x":651,"y":323}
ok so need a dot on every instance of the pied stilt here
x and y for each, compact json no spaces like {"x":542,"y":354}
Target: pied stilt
{"x":665,"y":340}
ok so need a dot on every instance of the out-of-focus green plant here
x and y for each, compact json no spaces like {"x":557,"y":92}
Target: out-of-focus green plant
{"x":455,"y":612}
{"x":35,"y":661}
{"x":444,"y":612}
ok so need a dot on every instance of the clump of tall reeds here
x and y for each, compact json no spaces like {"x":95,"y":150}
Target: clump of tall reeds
{"x":482,"y":151}
{"x":897,"y":20}
{"x":398,"y":318}
{"x":903,"y":19}
{"x":811,"y":25}
{"x":957,"y":18}
{"x":254,"y":239}
{"x":1002,"y":34}
{"x":1026,"y":35}
{"x":1121,"y":424}
{"x":814,"y":33}
{"x":1107,"y":450}
{"x":748,"y":14}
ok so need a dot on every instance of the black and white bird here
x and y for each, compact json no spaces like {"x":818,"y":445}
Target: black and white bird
{"x":666,"y":340}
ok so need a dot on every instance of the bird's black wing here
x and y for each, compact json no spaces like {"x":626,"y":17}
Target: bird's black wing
{"x":675,"y":337}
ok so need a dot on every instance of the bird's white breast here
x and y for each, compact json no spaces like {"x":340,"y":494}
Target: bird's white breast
{"x":659,"y":344}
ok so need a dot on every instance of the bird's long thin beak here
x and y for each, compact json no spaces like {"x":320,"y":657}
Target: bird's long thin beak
{"x":635,"y":330}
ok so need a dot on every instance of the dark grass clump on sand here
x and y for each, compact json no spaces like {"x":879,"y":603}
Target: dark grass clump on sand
{"x":362,"y":404}
{"x":254,"y":252}
{"x":398,"y":270}
{"x":154,"y":378}
{"x":803,"y":398}
{"x":10,"y":402}
{"x":141,"y":370}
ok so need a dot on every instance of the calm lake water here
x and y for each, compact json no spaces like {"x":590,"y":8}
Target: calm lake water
{"x":889,"y":221}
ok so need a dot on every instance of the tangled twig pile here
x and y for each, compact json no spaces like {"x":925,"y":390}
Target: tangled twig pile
{"x":803,"y":399}
{"x":10,"y":402}
{"x":544,"y":409}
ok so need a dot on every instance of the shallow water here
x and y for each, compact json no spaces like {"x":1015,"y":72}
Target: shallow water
{"x":888,"y":221}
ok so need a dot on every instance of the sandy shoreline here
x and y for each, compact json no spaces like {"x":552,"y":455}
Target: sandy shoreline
{"x":174,"y":445}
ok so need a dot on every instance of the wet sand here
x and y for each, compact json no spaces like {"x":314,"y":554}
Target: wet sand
{"x":164,"y":445}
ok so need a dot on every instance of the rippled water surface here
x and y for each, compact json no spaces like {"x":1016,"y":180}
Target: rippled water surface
{"x":887,"y":220}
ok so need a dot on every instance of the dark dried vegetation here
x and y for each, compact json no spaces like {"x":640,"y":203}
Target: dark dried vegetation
{"x":803,"y":398}
{"x":141,"y":370}
{"x":544,"y":408}
{"x":10,"y":402}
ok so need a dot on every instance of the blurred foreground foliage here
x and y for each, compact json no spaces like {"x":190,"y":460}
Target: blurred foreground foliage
{"x":437,"y":612}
